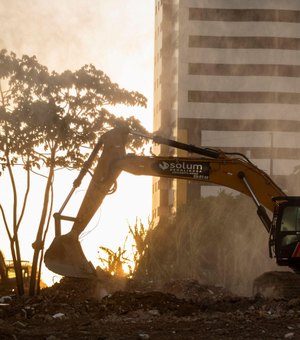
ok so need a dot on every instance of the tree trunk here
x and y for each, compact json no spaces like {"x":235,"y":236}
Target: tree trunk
{"x":15,"y":246}
{"x":38,"y":244}
{"x":18,"y":269}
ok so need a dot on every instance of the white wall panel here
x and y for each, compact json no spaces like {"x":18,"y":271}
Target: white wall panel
{"x":238,"y":111}
{"x":239,"y":56}
{"x":243,"y":29}
{"x":241,"y":83}
{"x":240,"y":4}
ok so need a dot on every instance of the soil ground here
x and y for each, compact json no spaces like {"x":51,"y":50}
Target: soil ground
{"x":181,"y":309}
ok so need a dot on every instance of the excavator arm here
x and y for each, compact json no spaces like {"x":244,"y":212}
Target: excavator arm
{"x":230,"y":173}
{"x":65,"y":255}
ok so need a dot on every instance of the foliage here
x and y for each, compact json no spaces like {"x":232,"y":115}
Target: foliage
{"x":45,"y":119}
{"x":139,"y":233}
{"x":216,"y":240}
{"x":114,"y":261}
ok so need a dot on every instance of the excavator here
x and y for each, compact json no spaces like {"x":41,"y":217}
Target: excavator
{"x":278,"y":212}
{"x":8,"y":281}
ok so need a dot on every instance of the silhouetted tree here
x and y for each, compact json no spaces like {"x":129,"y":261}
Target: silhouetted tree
{"x":45,"y":119}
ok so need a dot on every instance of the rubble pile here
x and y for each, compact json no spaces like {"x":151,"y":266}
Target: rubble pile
{"x":181,"y":309}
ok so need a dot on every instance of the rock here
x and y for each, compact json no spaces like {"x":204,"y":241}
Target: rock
{"x":59,"y":316}
{"x":5,"y":299}
{"x":154,"y":312}
{"x":52,"y":337}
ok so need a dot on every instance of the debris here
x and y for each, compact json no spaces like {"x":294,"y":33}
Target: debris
{"x":5,"y":298}
{"x":52,"y":337}
{"x":59,"y":316}
{"x":19,"y":324}
{"x":182,"y":307}
{"x":154,"y":312}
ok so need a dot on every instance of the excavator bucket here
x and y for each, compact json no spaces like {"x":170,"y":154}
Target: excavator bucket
{"x":65,"y":257}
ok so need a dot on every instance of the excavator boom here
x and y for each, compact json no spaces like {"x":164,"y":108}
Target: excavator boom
{"x":223,"y":172}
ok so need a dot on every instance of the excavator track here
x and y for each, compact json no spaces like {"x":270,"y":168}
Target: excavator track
{"x":277,"y":284}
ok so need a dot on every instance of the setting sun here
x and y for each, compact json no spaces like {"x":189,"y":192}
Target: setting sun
{"x":116,"y":37}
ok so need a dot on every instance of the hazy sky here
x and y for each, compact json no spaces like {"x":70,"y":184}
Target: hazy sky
{"x":117,"y":36}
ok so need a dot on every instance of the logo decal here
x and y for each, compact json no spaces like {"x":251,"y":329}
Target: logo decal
{"x":183,"y":168}
{"x":296,"y":252}
{"x":164,"y":165}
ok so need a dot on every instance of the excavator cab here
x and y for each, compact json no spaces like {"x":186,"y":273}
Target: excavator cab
{"x":285,"y":231}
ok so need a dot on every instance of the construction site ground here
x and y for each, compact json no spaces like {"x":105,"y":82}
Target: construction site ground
{"x":182,"y":309}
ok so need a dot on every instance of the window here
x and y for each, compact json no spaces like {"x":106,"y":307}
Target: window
{"x":290,"y":219}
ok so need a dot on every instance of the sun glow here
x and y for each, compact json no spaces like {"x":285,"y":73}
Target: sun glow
{"x":80,"y":33}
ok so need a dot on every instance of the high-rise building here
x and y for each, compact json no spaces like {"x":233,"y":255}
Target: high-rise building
{"x":227,"y":75}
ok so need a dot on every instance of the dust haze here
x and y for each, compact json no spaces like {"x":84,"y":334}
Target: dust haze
{"x":68,"y":34}
{"x":115,"y":36}
{"x":215,"y":240}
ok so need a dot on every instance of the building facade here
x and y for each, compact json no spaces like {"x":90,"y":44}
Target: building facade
{"x":227,"y":75}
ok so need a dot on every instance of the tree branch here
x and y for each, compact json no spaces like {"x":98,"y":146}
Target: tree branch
{"x":5,"y":223}
{"x":14,"y":189}
{"x":25,"y":196}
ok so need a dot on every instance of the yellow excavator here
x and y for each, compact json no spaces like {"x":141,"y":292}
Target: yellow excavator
{"x":8,"y":281}
{"x":279,"y":213}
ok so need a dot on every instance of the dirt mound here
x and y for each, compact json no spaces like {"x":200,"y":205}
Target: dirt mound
{"x":181,"y":309}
